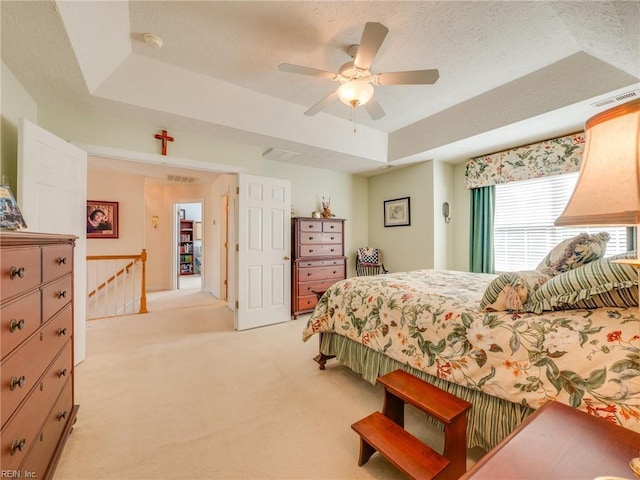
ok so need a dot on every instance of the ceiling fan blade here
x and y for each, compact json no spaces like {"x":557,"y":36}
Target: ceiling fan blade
{"x":414,"y":77}
{"x":372,"y":38}
{"x":374,"y":109}
{"x":321,"y":104}
{"x":314,"y":72}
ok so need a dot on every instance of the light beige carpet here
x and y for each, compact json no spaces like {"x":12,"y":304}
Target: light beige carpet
{"x":178,"y":394}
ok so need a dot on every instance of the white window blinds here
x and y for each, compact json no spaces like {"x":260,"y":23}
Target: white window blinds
{"x":525,"y":211}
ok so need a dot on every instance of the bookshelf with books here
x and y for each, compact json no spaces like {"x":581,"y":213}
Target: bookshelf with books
{"x":185,"y":247}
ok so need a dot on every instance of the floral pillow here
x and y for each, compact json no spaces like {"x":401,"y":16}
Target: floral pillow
{"x":510,"y":291}
{"x":574,"y":252}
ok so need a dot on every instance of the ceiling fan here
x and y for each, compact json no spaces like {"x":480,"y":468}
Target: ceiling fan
{"x":355,"y":76}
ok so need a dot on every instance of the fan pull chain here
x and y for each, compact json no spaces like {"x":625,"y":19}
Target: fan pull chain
{"x":353,"y":118}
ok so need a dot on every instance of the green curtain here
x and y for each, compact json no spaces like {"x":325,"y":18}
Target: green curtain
{"x":483,"y":203}
{"x":632,"y":235}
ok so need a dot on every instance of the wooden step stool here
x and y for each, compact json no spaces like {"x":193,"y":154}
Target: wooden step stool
{"x":384,"y":432}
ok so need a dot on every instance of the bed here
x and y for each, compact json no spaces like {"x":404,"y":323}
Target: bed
{"x":440,"y":326}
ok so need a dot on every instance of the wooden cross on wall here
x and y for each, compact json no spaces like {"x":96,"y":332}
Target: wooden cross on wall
{"x":165,"y":138}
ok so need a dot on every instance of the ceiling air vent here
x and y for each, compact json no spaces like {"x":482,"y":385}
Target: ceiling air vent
{"x":278,"y":154}
{"x":180,"y":179}
{"x":618,"y":98}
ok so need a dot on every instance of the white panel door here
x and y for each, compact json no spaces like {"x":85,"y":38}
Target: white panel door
{"x":264,"y":249}
{"x":52,"y":194}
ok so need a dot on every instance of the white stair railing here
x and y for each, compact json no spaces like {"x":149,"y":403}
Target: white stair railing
{"x":116,"y":285}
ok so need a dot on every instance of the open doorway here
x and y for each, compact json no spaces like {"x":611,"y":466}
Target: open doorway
{"x":189,"y":261}
{"x":163,"y":178}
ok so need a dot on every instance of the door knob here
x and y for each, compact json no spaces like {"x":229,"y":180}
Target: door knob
{"x":286,"y":257}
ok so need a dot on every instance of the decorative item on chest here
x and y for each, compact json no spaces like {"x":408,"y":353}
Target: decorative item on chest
{"x":326,"y":210}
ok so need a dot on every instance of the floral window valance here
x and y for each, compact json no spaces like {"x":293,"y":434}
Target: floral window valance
{"x":542,"y":159}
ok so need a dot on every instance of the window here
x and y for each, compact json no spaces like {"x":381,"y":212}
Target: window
{"x":525,"y":211}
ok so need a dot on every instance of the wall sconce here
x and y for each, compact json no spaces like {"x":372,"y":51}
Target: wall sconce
{"x":445,"y":212}
{"x":155,"y":220}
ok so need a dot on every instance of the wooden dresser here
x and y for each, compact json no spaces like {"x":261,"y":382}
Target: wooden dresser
{"x":558,"y":442}
{"x":318,"y":260}
{"x":37,"y":407}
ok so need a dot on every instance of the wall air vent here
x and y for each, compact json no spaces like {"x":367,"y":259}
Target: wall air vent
{"x":180,"y":179}
{"x":618,"y":98}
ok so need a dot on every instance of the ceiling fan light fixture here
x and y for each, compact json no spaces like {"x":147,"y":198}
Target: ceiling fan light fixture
{"x":355,"y":92}
{"x":357,"y":81}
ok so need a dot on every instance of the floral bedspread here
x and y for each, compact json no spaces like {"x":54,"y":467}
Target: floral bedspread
{"x":428,"y":319}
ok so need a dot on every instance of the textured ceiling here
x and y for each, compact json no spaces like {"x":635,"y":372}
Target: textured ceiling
{"x":510,"y":72}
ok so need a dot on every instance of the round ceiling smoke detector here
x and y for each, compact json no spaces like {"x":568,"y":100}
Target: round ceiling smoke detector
{"x":153,"y":40}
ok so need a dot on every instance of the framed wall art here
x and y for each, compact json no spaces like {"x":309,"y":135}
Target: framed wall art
{"x":102,"y":219}
{"x":10,"y":215}
{"x":397,"y":212}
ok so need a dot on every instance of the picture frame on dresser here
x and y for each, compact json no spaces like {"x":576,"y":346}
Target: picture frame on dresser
{"x":10,"y":214}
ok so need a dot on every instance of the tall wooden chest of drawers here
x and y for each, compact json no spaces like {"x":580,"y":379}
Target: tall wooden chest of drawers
{"x":37,"y":410}
{"x":318,"y":260}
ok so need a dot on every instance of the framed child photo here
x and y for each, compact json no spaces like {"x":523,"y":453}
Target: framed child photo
{"x":10,"y":215}
{"x":102,"y":219}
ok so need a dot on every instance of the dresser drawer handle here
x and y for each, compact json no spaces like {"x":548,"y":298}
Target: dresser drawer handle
{"x":62,"y":332}
{"x":61,"y":260}
{"x":62,"y":294}
{"x":17,"y":382}
{"x":62,"y":373}
{"x":333,"y":249}
{"x":16,"y":325}
{"x":61,"y":415}
{"x":18,"y":445}
{"x":16,"y":272}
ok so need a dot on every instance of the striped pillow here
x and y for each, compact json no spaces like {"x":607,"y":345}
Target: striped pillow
{"x":601,"y":283}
